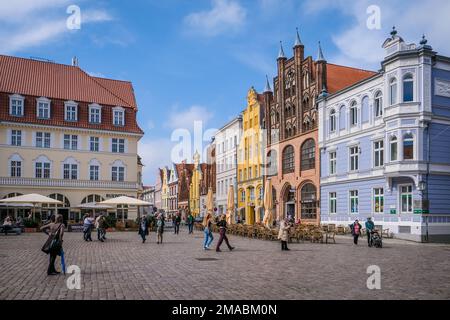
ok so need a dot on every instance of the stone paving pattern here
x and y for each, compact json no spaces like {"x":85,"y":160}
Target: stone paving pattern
{"x":124,"y":268}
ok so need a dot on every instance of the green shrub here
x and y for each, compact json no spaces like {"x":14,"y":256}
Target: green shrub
{"x":110,"y":221}
{"x":30,"y":223}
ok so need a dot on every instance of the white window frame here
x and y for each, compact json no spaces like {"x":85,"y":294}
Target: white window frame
{"x":122,"y":117}
{"x":378,"y":154}
{"x":16,"y":158}
{"x":391,"y":142}
{"x":98,"y":108}
{"x":42,"y":160}
{"x":374,"y":196}
{"x":70,"y":111}
{"x":400,"y":194}
{"x":94,"y":142}
{"x":118,"y":164}
{"x":332,"y":118}
{"x":118,"y":144}
{"x":354,"y":114}
{"x":71,"y":140}
{"x":378,"y":104}
{"x":43,"y":100}
{"x":44,"y":137}
{"x":413,"y":146}
{"x":16,"y":97}
{"x":18,"y":136}
{"x":353,"y":155}
{"x":411,"y":75}
{"x":71,"y":162}
{"x":332,"y":163}
{"x":95,"y":174}
{"x":330,"y":201}
{"x":350,"y":201}
{"x":393,"y":93}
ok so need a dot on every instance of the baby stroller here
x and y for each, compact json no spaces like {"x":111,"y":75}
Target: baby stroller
{"x":376,"y":240}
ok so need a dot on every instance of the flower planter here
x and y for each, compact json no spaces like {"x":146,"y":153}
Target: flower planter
{"x":30,"y":230}
{"x":110,"y":230}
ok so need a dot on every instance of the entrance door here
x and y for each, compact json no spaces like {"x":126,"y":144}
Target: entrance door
{"x":65,"y":213}
{"x":290,"y":210}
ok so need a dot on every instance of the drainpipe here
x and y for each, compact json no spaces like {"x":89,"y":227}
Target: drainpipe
{"x":427,"y":128}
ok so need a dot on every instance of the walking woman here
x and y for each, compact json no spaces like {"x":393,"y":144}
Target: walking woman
{"x":356,"y":231}
{"x":207,"y":224}
{"x":143,"y":227}
{"x":56,"y":233}
{"x":160,"y":228}
{"x":222,"y":224}
{"x":283,"y":234}
{"x":88,"y":223}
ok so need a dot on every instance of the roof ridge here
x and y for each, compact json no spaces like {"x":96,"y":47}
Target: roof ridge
{"x":110,"y":79}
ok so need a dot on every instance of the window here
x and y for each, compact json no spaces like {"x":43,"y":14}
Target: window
{"x":308,"y":201}
{"x":408,"y":88}
{"x":308,"y":154}
{"x":332,"y":163}
{"x":94,"y":143}
{"x":354,"y":158}
{"x":342,"y":118}
{"x":95,"y":114}
{"x":272,"y":165}
{"x":94,"y":172}
{"x":378,"y":153}
{"x":118,"y":145}
{"x":252,"y":194}
{"x":353,"y":114}
{"x":378,"y":104}
{"x":16,"y":103}
{"x":43,"y":109}
{"x":288,"y":159}
{"x":406,"y":199}
{"x":118,"y":173}
{"x":42,"y":170}
{"x":70,"y":142}
{"x":16,"y":168}
{"x":333,"y":202}
{"x":16,"y":138}
{"x":70,"y":171}
{"x":408,"y":147}
{"x":332,"y":121}
{"x":378,"y":200}
{"x":354,"y":201}
{"x":393,"y":150}
{"x":70,"y":112}
{"x":43,"y":139}
{"x":393,"y":91}
{"x":242,"y":196}
{"x":118,"y":117}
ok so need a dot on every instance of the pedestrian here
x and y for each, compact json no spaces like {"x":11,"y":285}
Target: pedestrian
{"x":177,"y":223}
{"x":88,"y":223}
{"x":356,"y":231}
{"x":55,"y":230}
{"x":370,"y":227}
{"x":100,"y":225}
{"x":7,"y":225}
{"x":190,"y":221}
{"x":207,"y":224}
{"x":222,"y":224}
{"x":283,"y":233}
{"x":143,"y":227}
{"x":160,"y":228}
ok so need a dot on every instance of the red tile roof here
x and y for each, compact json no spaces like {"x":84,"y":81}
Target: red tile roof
{"x":59,"y":82}
{"x":340,"y":77}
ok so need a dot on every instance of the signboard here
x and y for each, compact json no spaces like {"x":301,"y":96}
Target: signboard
{"x":421,"y":211}
{"x":393,"y":211}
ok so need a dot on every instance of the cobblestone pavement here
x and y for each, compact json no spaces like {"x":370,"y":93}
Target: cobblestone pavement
{"x":124,"y":268}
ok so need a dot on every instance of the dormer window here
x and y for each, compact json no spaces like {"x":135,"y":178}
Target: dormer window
{"x":95,"y":113}
{"x":118,"y":116}
{"x":70,"y":111}
{"x":43,"y":108}
{"x":16,"y":105}
{"x":408,"y":88}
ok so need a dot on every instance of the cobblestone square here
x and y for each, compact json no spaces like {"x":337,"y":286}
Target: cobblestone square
{"x":124,"y":268}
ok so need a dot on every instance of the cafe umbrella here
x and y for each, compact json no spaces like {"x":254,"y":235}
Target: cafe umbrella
{"x":268,"y":204}
{"x":210,"y":201}
{"x":230,"y":205}
{"x":124,"y":200}
{"x":32,"y":198}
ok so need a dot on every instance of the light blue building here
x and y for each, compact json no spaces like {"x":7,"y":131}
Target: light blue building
{"x":385,"y":146}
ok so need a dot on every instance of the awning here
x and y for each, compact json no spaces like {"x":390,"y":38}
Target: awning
{"x":93,"y":205}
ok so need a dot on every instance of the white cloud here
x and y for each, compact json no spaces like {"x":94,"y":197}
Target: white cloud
{"x":30,"y":23}
{"x":184,"y":119}
{"x":155,"y":154}
{"x":224,"y":16}
{"x":361,"y":47}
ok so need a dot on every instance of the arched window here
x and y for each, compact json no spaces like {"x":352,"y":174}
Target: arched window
{"x":308,"y":201}
{"x":332,"y":121}
{"x":393,"y":91}
{"x":365,"y":109}
{"x":306,"y":103}
{"x":42,"y":167}
{"x":408,"y":147}
{"x":272,"y":163}
{"x":342,"y":120}
{"x":288,"y":159}
{"x":92,"y":198}
{"x":353,"y":114}
{"x":13,"y":194}
{"x":408,"y":88}
{"x":378,"y":104}
{"x":59,"y":197}
{"x":393,"y":148}
{"x":308,"y":155}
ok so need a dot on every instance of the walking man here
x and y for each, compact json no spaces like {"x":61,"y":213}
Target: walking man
{"x":160,"y":228}
{"x":87,"y":227}
{"x":101,"y":228}
{"x":177,"y":223}
{"x":370,"y":226}
{"x":143,"y":227}
{"x":222,"y":224}
{"x":190,"y":222}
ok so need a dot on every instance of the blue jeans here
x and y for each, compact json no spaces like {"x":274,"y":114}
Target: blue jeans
{"x":208,"y":238}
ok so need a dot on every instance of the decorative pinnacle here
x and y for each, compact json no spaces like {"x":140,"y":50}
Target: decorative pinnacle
{"x":424,"y":40}
{"x":393,"y":32}
{"x":298,"y":42}
{"x":281,"y":53}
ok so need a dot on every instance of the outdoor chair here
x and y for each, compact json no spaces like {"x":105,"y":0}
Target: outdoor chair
{"x":330,"y":236}
{"x":317,"y":236}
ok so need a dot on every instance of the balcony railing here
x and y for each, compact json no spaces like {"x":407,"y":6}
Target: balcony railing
{"x":63,"y":183}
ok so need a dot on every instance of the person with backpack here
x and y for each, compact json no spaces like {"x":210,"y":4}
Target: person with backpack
{"x":356,"y":231}
{"x":160,"y":228}
{"x":370,"y":227}
{"x":53,"y":245}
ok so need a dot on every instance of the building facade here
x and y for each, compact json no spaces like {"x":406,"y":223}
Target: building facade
{"x":184,"y":172}
{"x":67,"y":135}
{"x":227,"y":139}
{"x":384,"y":150}
{"x":250,"y":175}
{"x":148,"y":194}
{"x":158,"y":188}
{"x":292,"y":157}
{"x":165,"y":189}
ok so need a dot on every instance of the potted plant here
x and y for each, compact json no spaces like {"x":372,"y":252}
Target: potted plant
{"x":111,"y":223}
{"x":30,"y":225}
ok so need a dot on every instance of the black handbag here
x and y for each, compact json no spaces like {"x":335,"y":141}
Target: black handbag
{"x":53,"y":243}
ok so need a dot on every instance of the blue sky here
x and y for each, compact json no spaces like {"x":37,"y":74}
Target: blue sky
{"x":196,"y":60}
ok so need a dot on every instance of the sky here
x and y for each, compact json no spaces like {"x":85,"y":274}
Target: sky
{"x":196,"y":60}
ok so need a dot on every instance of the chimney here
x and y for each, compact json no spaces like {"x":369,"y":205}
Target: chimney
{"x":75,"y":61}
